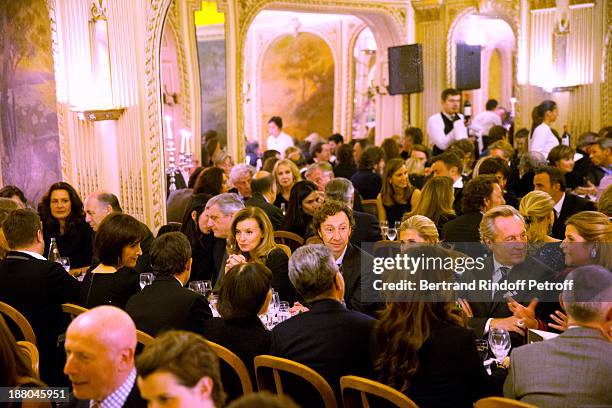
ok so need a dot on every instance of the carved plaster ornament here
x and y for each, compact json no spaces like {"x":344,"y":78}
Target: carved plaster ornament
{"x":98,"y":10}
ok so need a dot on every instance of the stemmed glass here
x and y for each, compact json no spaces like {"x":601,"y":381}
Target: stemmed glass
{"x":499,"y":340}
{"x":482,"y":347}
{"x":146,"y":279}
{"x":384,"y":227}
{"x":65,"y":262}
{"x":198,"y":286}
{"x":207,"y":288}
{"x":391,"y":233}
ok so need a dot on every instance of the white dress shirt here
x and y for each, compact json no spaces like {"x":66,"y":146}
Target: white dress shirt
{"x":542,"y":140}
{"x":559,"y":205}
{"x":484,"y":121}
{"x":435,"y":130}
{"x":279,"y":143}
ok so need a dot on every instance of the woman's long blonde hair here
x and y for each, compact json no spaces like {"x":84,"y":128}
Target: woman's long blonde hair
{"x":267,"y":243}
{"x":436,"y":199}
{"x":294,"y":170}
{"x":595,"y":228}
{"x":535,"y":208}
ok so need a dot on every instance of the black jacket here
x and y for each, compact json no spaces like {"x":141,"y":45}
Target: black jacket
{"x":274,"y":213}
{"x":464,"y":228}
{"x":367,"y":183}
{"x":572,"y":204}
{"x":366,"y":228}
{"x":134,"y":400}
{"x":166,"y":305}
{"x":37,"y":288}
{"x":356,"y":270}
{"x":330,"y":339}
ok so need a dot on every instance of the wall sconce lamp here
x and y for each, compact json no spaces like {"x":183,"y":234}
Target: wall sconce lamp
{"x":96,"y":115}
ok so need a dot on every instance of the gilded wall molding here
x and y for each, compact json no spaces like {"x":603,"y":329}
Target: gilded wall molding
{"x":606,"y":72}
{"x":349,"y":81}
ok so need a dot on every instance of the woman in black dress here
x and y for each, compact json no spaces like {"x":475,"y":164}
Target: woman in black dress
{"x":246,"y":293}
{"x":366,"y":179}
{"x":286,"y":174}
{"x":397,"y":196}
{"x":305,"y":199}
{"x":63,"y":218}
{"x":117,"y":247}
{"x":251,"y":239}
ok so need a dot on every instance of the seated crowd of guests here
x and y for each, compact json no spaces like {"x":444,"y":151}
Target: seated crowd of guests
{"x":531,"y":219}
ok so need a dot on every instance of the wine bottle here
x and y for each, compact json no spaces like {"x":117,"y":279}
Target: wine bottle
{"x":54,"y":254}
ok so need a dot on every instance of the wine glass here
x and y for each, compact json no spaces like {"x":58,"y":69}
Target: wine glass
{"x":274,"y":303}
{"x":499,"y":340}
{"x":384,"y":226}
{"x":207,"y":285}
{"x":198,"y":287}
{"x":283,"y":311}
{"x":65,"y":262}
{"x":146,"y":279}
{"x":482,"y":347}
{"x":282,"y":207}
{"x":397,"y":225}
{"x":391,"y":234}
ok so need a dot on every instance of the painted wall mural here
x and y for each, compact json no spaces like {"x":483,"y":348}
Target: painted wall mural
{"x":298,"y":85}
{"x":29,"y":148}
{"x":211,"y":55}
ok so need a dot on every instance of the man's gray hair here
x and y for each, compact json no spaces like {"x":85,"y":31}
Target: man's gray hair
{"x":340,"y":189}
{"x":487,"y":227}
{"x":229,"y":203}
{"x":312,"y":271}
{"x":240,"y":170}
{"x":322,"y":165}
{"x":590,"y":296}
{"x":531,"y":161}
{"x":107,"y":198}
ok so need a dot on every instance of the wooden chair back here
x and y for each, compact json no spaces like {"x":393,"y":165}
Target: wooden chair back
{"x":20,"y":320}
{"x":293,"y":241}
{"x":285,"y":249}
{"x":369,"y":206}
{"x":73,"y":310}
{"x":143,"y":338}
{"x":31,"y":353}
{"x":235,"y":363}
{"x":268,"y":372}
{"x":357,"y":390}
{"x":499,"y":402}
{"x":314,"y":240}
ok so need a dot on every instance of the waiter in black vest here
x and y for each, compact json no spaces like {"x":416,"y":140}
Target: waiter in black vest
{"x":447,"y":126}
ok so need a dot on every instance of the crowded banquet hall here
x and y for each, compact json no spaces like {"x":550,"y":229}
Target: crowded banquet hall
{"x":347,"y":204}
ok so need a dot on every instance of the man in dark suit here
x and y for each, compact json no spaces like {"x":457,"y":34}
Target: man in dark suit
{"x":263,"y":187}
{"x":573,"y":369}
{"x":367,"y":228}
{"x":166,"y":304}
{"x":240,"y":177}
{"x":503,"y":232}
{"x":98,"y":205}
{"x":36,"y":288}
{"x":333,"y":223}
{"x":100,"y":347}
{"x":550,"y":180}
{"x":329,"y":338}
{"x":479,"y":195}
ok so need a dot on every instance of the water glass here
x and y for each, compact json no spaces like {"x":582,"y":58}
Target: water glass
{"x":499,"y":340}
{"x":283,"y":311}
{"x":146,"y":279}
{"x":384,"y":226}
{"x":65,"y":262}
{"x":391,"y":234}
{"x":274,"y":303}
{"x":207,"y":288}
{"x":198,"y":287}
{"x":397,"y":225}
{"x":482,"y":347}
{"x":282,"y":207}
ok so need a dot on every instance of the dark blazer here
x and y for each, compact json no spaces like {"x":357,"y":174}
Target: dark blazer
{"x":344,"y":170}
{"x":246,"y":337}
{"x":330,"y":339}
{"x":464,"y":228}
{"x":571,"y":370}
{"x":134,"y":400}
{"x":461,"y":382}
{"x":367,"y":183}
{"x":352,"y":268}
{"x":74,"y":244}
{"x":366,"y":228}
{"x":166,"y":305}
{"x":278,"y":262}
{"x":458,"y":194}
{"x":572,"y":204}
{"x":274,"y":213}
{"x":37,"y":288}
{"x":109,"y":288}
{"x":484,"y":306}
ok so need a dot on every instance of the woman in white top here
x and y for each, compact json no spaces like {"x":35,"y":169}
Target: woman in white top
{"x":542,"y":139}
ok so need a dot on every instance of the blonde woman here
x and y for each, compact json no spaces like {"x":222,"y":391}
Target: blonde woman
{"x":537,"y":210}
{"x":418,"y":229}
{"x":251,"y":239}
{"x":587,"y":240}
{"x":436,"y":202}
{"x":286,"y":174}
{"x":397,"y":196}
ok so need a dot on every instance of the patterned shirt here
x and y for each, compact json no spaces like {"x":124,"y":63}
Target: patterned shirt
{"x":119,"y":396}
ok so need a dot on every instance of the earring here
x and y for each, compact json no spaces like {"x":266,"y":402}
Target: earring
{"x":594,"y":252}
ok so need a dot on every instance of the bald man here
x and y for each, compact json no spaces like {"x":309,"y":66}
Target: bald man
{"x":101,"y":203}
{"x":263,"y":188}
{"x":100,"y":346}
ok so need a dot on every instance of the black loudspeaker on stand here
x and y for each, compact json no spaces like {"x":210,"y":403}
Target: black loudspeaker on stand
{"x":467,"y":67}
{"x":405,"y":70}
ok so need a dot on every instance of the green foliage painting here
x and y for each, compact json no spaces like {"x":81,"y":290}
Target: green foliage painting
{"x":298,"y":85}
